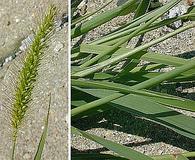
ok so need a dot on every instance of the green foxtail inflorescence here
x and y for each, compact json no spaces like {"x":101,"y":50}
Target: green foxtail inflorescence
{"x":28,"y":74}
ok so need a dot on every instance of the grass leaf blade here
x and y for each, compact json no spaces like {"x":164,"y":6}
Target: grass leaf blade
{"x":117,"y":148}
{"x":44,"y":135}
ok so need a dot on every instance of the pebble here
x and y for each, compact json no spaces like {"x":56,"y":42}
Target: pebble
{"x":1,"y":106}
{"x":27,"y":156}
{"x":174,"y":12}
{"x":17,"y":53}
{"x":58,"y":47}
{"x":7,"y":60}
{"x":2,"y":43}
{"x":67,"y":118}
{"x":27,"y":42}
{"x":17,"y":20}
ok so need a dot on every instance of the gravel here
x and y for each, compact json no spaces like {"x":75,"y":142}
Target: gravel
{"x":141,"y":135}
{"x":53,"y":77}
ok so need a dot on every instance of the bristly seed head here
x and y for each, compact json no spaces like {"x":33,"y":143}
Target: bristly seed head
{"x":28,"y":74}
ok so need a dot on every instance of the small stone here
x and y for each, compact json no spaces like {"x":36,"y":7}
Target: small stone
{"x":17,"y":53}
{"x":27,"y":156}
{"x":67,"y":118}
{"x":10,"y":58}
{"x":1,"y":105}
{"x":8,"y":23}
{"x":17,"y":20}
{"x":174,"y":12}
{"x":6,"y":60}
{"x":58,"y":47}
{"x":27,"y":42}
{"x":2,"y":43}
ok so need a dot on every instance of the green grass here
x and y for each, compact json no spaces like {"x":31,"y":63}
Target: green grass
{"x":97,"y":88}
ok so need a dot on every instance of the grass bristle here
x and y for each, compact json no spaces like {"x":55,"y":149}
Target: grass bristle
{"x":29,"y":72}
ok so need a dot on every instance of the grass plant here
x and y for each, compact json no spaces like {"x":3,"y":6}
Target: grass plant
{"x":99,"y":86}
{"x":26,"y":77}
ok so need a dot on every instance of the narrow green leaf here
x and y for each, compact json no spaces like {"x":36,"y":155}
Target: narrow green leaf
{"x":191,"y":10}
{"x":169,"y":100}
{"x":113,"y":60}
{"x":180,"y":103}
{"x":115,"y":86}
{"x":139,"y":20}
{"x":140,"y":106}
{"x":148,"y":56}
{"x":142,"y":8}
{"x":95,"y":156}
{"x":110,"y":40}
{"x":94,"y":104}
{"x":174,"y":156}
{"x":43,"y":136}
{"x":180,"y":157}
{"x":143,"y":55}
{"x":100,"y":19}
{"x":78,"y":20}
{"x":128,"y":36}
{"x":166,"y":76}
{"x":117,"y":148}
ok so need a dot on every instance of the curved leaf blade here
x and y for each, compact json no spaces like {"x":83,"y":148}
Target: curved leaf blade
{"x":117,"y":148}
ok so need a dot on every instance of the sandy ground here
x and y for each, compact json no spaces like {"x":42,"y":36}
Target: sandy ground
{"x":18,"y":18}
{"x":121,"y":127}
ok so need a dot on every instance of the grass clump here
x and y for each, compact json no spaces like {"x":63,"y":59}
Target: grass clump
{"x":107,"y":74}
